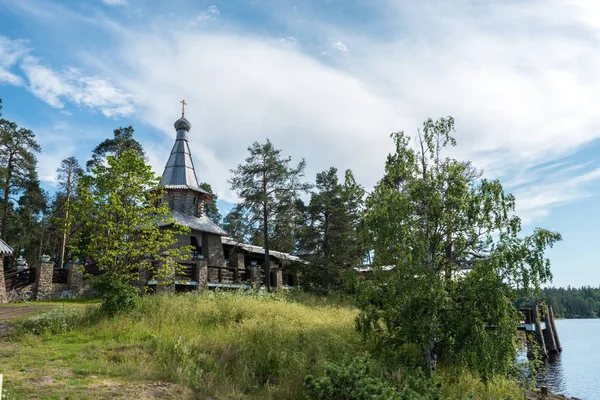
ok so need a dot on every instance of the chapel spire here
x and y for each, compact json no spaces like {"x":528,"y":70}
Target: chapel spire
{"x":179,"y":172}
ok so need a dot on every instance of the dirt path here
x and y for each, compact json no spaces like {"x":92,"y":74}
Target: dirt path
{"x":10,"y":311}
{"x":13,"y":311}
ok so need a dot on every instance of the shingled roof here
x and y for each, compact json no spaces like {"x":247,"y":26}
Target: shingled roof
{"x":202,"y":223}
{"x":5,"y":249}
{"x":179,"y":172}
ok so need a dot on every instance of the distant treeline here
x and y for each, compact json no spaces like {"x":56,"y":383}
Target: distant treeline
{"x":571,"y":302}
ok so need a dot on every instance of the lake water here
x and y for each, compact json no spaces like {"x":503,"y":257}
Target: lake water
{"x":576,"y":371}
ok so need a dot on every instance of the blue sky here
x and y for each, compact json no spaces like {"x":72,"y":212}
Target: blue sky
{"x":326,"y":80}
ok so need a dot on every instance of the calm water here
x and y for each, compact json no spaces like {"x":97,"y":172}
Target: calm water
{"x":576,"y":371}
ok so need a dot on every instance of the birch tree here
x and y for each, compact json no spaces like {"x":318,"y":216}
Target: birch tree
{"x":431,"y":217}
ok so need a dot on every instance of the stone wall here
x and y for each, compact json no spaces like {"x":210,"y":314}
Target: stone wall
{"x":278,"y":279}
{"x":201,"y":273}
{"x":257,"y":275}
{"x":3,"y":298}
{"x":45,"y":288}
{"x":75,"y":280}
{"x":213,"y":247}
{"x":236,"y":260}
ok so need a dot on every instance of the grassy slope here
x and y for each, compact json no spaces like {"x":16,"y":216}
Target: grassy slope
{"x":222,"y":345}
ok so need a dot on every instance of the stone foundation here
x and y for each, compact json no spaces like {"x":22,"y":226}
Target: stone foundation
{"x":3,"y":298}
{"x":45,"y":288}
{"x":213,"y":249}
{"x":75,"y":280}
{"x":201,"y":274}
{"x":279,"y":279}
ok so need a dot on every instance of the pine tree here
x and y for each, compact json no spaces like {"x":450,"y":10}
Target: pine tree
{"x":332,"y":234}
{"x":267,"y":184}
{"x":210,"y":209}
{"x":18,"y":149}
{"x":121,"y":142}
{"x":236,"y":224}
{"x":69,"y":173}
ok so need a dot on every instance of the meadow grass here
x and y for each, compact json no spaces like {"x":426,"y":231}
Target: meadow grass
{"x":220,"y":345}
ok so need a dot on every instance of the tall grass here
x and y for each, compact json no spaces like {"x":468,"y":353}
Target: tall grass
{"x":229,"y":345}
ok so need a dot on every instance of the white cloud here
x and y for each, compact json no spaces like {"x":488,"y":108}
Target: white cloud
{"x":115,"y":2}
{"x":59,"y":87}
{"x":56,"y":87}
{"x":340,"y":46}
{"x":520,"y":79}
{"x":211,"y":12}
{"x":290,"y":39}
{"x":10,"y":52}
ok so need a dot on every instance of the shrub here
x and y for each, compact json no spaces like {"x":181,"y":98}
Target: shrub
{"x":117,"y":296}
{"x":354,"y":381}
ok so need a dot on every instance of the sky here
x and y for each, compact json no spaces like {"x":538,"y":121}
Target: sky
{"x":327,"y":81}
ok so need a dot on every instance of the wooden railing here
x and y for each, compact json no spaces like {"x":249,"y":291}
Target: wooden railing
{"x":60,"y":275}
{"x":187,"y":272}
{"x":228,"y":275}
{"x":93,"y":269}
{"x":19,"y":279}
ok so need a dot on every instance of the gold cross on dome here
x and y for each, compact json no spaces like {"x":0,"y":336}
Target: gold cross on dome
{"x":183,"y":104}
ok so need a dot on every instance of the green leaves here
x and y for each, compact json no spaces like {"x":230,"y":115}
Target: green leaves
{"x":18,"y":161}
{"x":123,"y":214}
{"x":430,"y":217}
{"x":268,"y":186}
{"x":332,"y":229}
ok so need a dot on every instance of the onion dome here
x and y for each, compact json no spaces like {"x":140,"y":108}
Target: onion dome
{"x":183,"y":124}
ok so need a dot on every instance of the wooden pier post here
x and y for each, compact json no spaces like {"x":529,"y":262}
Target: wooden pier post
{"x":549,"y":337}
{"x":539,"y":335}
{"x":554,"y":331}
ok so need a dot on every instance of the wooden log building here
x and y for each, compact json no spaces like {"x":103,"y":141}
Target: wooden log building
{"x":217,"y":260}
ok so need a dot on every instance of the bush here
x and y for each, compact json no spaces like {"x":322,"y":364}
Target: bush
{"x":117,"y":296}
{"x":354,"y":381}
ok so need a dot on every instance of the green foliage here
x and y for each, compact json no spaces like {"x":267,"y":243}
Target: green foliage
{"x":268,"y":186}
{"x":567,"y":302}
{"x":331,"y":230}
{"x":117,"y":296}
{"x":18,"y":149}
{"x":127,"y":229}
{"x":253,"y":345}
{"x":121,"y":142}
{"x":69,"y":172}
{"x":429,"y":217}
{"x":351,"y":381}
{"x":210,"y":209}
{"x":52,"y":322}
{"x":236,"y":224}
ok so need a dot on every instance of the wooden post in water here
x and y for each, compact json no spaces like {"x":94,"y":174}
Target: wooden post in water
{"x":538,"y":332}
{"x":549,"y":332}
{"x":551,"y":318}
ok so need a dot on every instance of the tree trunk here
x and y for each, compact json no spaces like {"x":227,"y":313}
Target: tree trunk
{"x":267,"y":267}
{"x":63,"y":244}
{"x":6,"y":195}
{"x":448,"y":255}
{"x":430,"y":357}
{"x":326,"y":250}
